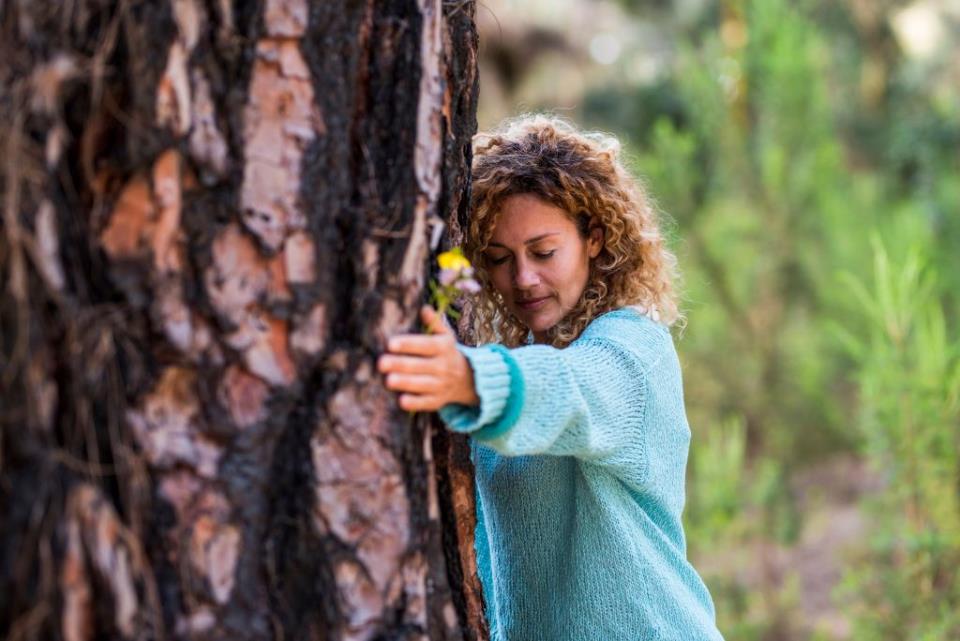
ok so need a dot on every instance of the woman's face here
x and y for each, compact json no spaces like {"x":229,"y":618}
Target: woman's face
{"x":538,"y":261}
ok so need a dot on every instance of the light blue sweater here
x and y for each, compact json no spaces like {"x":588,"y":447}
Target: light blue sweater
{"x":580,"y":455}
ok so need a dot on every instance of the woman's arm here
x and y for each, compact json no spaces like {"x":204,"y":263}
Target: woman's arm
{"x":586,"y":400}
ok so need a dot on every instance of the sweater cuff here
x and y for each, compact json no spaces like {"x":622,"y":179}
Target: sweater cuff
{"x":496,"y":380}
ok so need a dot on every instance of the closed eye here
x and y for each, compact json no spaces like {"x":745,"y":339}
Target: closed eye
{"x":537,"y":255}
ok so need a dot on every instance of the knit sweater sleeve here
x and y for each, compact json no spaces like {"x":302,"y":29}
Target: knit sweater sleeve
{"x":586,"y":400}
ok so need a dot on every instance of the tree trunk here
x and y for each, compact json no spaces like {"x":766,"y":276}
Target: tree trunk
{"x":213,"y":215}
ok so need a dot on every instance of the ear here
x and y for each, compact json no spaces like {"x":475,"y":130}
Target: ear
{"x":595,"y":237}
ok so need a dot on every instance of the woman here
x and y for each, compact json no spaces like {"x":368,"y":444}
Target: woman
{"x":573,"y":398}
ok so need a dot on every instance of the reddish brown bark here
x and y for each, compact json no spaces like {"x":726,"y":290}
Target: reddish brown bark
{"x":213,"y":215}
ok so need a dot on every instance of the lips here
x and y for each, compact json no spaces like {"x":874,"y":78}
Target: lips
{"x":532,"y":303}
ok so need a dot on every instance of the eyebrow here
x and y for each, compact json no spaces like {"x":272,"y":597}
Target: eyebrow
{"x":529,"y":241}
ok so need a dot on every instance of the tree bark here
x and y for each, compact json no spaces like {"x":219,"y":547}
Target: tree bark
{"x":214,"y":214}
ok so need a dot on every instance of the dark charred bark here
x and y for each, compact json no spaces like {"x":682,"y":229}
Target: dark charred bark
{"x":213,"y":214}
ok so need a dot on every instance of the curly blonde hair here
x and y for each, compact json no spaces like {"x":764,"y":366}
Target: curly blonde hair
{"x":581,"y":173}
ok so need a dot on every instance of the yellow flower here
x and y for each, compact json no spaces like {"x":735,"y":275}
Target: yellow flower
{"x":453,"y":259}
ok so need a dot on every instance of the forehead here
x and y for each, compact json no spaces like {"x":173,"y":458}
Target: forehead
{"x":524,"y":216}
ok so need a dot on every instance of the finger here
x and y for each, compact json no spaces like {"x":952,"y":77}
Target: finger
{"x":417,"y":344}
{"x":420,"y":403}
{"x":416,"y":383}
{"x":434,"y":321}
{"x":387,"y":364}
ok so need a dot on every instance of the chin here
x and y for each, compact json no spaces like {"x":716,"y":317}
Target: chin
{"x":540,"y":324}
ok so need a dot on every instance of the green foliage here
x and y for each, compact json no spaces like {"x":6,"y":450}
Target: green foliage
{"x":748,"y":163}
{"x":716,"y":490}
{"x":733,"y":502}
{"x":794,"y":159}
{"x":907,"y":583}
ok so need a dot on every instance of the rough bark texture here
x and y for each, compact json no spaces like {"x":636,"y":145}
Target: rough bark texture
{"x":213,"y":214}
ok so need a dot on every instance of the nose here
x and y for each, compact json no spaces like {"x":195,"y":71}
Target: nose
{"x":525,"y":276}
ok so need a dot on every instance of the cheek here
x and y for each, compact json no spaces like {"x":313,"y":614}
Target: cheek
{"x":576,"y":273}
{"x":500,"y":280}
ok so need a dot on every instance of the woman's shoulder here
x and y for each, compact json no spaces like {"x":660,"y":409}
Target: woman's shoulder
{"x":633,"y":329}
{"x":632,"y":319}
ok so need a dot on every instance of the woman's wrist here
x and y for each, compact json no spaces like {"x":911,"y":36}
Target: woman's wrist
{"x":466,"y":391}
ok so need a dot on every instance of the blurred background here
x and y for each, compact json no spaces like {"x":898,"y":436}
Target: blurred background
{"x":805,"y":156}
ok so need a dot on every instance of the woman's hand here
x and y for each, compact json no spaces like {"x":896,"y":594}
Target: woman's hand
{"x":428,"y":369}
